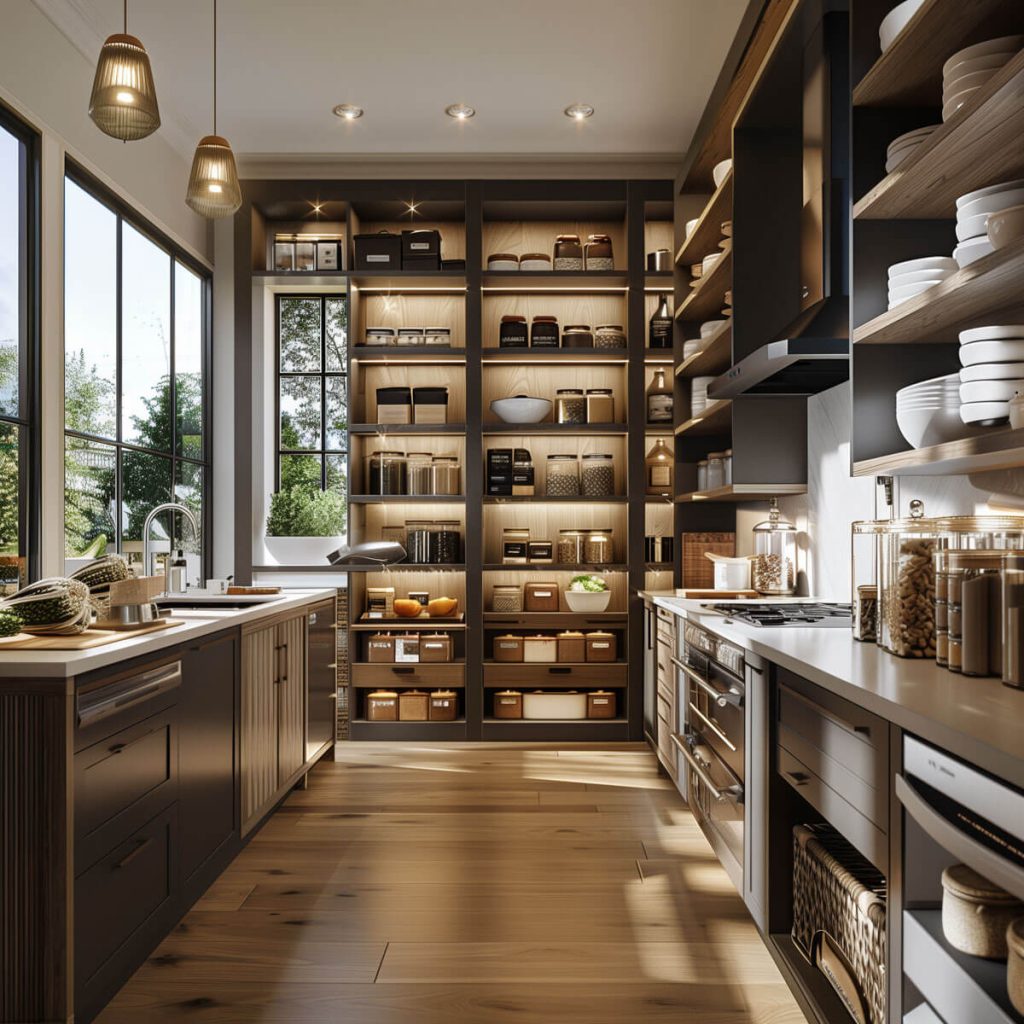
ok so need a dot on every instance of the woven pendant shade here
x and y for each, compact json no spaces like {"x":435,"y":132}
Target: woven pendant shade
{"x":123,"y":101}
{"x":213,"y":188}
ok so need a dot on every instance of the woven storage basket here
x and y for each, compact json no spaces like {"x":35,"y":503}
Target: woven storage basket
{"x":839,"y":903}
{"x":698,"y":571}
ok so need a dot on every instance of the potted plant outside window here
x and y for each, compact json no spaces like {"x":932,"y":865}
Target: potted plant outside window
{"x":304,"y":525}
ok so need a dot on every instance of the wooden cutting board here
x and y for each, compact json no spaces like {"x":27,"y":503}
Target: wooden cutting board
{"x":717,"y":595}
{"x":81,"y":642}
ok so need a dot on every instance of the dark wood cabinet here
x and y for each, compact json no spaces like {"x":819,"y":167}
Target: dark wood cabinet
{"x":321,"y":689}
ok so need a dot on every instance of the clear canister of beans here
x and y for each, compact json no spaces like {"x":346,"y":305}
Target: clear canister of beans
{"x":609,"y":336}
{"x":597,"y":547}
{"x":570,"y":406}
{"x":773,"y":568}
{"x":974,"y":611}
{"x":563,"y":476}
{"x":420,"y":476}
{"x":569,"y":550}
{"x":445,"y":475}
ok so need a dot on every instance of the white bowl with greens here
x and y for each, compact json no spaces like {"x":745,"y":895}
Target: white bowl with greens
{"x":588,"y":594}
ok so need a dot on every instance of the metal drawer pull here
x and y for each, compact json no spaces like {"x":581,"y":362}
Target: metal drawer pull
{"x":711,"y":725}
{"x":128,"y":858}
{"x":723,"y":698}
{"x":799,"y":778}
{"x":403,"y":671}
{"x":733,"y":792}
{"x":95,"y":706}
{"x":823,"y":712}
{"x":560,"y":671}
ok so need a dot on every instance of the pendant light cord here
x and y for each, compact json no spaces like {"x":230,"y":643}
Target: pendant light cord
{"x":126,"y":17}
{"x":214,"y":66}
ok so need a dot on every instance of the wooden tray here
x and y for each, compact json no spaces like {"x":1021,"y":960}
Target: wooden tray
{"x":398,"y":620}
{"x":81,"y":642}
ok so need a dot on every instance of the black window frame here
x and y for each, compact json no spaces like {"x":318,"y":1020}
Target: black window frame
{"x":126,"y":214}
{"x":321,"y":451}
{"x":29,"y":340}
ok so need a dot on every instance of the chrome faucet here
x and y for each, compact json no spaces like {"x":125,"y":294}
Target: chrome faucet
{"x":167,"y":506}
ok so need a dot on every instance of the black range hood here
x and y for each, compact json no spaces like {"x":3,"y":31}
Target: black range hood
{"x":812,"y":354}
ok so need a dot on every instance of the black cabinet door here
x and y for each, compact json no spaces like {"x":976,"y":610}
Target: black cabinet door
{"x":321,"y":677}
{"x":207,"y":758}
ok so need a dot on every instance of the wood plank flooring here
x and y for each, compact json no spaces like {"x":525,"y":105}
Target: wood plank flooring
{"x":456,"y":884}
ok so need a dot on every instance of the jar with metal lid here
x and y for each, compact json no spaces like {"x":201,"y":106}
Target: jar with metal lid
{"x":773,"y":568}
{"x":609,"y":336}
{"x":446,"y":543}
{"x":600,"y":405}
{"x":515,"y":543}
{"x":535,"y":261}
{"x":597,"y":477}
{"x":577,"y":336}
{"x":420,"y":477}
{"x":570,"y":406}
{"x":503,"y":261}
{"x":570,"y":547}
{"x":437,"y":336}
{"x":974,"y":612}
{"x":417,"y":541}
{"x":727,"y":466}
{"x":568,"y":253}
{"x":512,"y":332}
{"x":716,"y":470}
{"x":597,"y":253}
{"x":865,"y":613}
{"x":563,"y":476}
{"x":377,"y":336}
{"x":507,"y":597}
{"x":597,"y":547}
{"x":410,"y":335}
{"x":1013,"y":621}
{"x":544,"y":332}
{"x":445,"y":475}
{"x":941,"y":559}
{"x":702,"y":475}
{"x":387,"y":472}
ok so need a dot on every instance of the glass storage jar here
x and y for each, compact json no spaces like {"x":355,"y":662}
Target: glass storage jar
{"x":702,"y":475}
{"x":507,"y":597}
{"x":597,"y":547}
{"x":563,"y":476}
{"x":973,"y":611}
{"x":600,"y":405}
{"x":535,"y":261}
{"x":609,"y":336}
{"x":544,"y":332}
{"x":410,"y":336}
{"x":387,"y":472}
{"x":568,"y":253}
{"x":773,"y":568}
{"x":570,"y":406}
{"x":597,"y":477}
{"x":716,"y":470}
{"x":420,"y":477}
{"x":577,"y":336}
{"x":515,"y":543}
{"x":446,"y":543}
{"x":727,"y":466}
{"x":512,"y":332}
{"x":570,"y":547}
{"x":597,"y":253}
{"x":417,"y":541}
{"x":1013,"y":621}
{"x":445,"y":475}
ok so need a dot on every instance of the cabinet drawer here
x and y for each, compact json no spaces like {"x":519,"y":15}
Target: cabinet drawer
{"x":432,"y":674}
{"x":575,"y":676}
{"x":665,"y":711}
{"x":666,"y":624}
{"x":120,"y":905}
{"x":121,"y":782}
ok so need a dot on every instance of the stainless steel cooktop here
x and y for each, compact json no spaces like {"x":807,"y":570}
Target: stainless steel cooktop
{"x":788,"y":614}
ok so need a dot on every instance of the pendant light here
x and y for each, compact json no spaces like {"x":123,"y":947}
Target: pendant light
{"x":123,"y":101}
{"x":213,"y":188}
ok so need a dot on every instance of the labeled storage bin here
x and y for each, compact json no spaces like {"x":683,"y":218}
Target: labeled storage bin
{"x":377,"y":336}
{"x":508,"y":648}
{"x":601,"y":704}
{"x":394,"y":405}
{"x":572,"y":646}
{"x":537,"y":649}
{"x":421,"y":249}
{"x":413,"y":706}
{"x":382,"y":251}
{"x":544,"y":332}
{"x":503,"y":261}
{"x":508,"y":704}
{"x":839,"y":918}
{"x":568,"y":253}
{"x":513,"y":332}
{"x":435,"y":647}
{"x":380,"y":649}
{"x":444,"y":706}
{"x":976,"y":914}
{"x":407,"y":648}
{"x":554,"y":705}
{"x":382,"y":706}
{"x":541,"y":597}
{"x":601,"y":646}
{"x":535,"y":261}
{"x":430,"y":405}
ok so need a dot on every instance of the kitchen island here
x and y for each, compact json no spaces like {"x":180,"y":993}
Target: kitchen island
{"x":130,"y":776}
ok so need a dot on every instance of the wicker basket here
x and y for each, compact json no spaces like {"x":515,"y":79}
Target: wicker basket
{"x":698,"y":571}
{"x":839,"y":918}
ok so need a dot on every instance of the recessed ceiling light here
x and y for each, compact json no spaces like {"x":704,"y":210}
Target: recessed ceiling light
{"x":579,"y":111}
{"x":348,"y":111}
{"x":459,"y":111}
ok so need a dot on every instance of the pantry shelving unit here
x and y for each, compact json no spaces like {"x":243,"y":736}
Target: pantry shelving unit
{"x":476,"y":218}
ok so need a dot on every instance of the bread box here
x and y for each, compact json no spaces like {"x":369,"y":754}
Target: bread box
{"x":382,"y":706}
{"x":601,"y":704}
{"x":382,"y":251}
{"x":435,"y":647}
{"x":444,"y":705}
{"x":413,"y":706}
{"x":555,"y":705}
{"x":541,"y":597}
{"x":537,"y":649}
{"x":572,"y":646}
{"x":508,"y":704}
{"x":380,"y":649}
{"x":601,"y":646}
{"x":508,"y":648}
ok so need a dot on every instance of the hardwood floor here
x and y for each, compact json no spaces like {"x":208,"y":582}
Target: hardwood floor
{"x":469,"y":885}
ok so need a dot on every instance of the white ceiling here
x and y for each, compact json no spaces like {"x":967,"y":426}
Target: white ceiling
{"x":647,"y":66}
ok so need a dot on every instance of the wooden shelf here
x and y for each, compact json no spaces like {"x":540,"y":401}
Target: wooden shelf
{"x":302,"y":278}
{"x":715,"y":419}
{"x":909,"y":73}
{"x":568,"y":429}
{"x":447,"y":625}
{"x":978,"y":145}
{"x":556,"y":567}
{"x":542,"y":499}
{"x":997,"y":449}
{"x":407,"y":428}
{"x":400,"y":281}
{"x":707,"y":232}
{"x":521,"y":722}
{"x":554,"y":620}
{"x":986,"y":287}
{"x":705,"y":302}
{"x":714,"y":359}
{"x":561,"y":674}
{"x":743,"y":492}
{"x":541,"y":356}
{"x":398,"y":354}
{"x":554,"y":280}
{"x":368,"y":675}
{"x":407,"y":499}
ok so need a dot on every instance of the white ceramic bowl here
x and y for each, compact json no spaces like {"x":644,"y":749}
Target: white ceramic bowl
{"x":971,"y":227}
{"x":710,"y":326}
{"x":990,"y":390}
{"x":709,"y":261}
{"x":904,"y":148}
{"x":992,"y":371}
{"x":916,"y":276}
{"x":691,"y":348}
{"x":720,"y":170}
{"x":1002,"y":44}
{"x":917,"y":136}
{"x":910,"y":291}
{"x":988,"y":190}
{"x":985,"y":414}
{"x":964,"y":82}
{"x":956,"y":66}
{"x":978,"y":352}
{"x":995,"y":332}
{"x":896,"y":159}
{"x":690,"y":225}
{"x":922,"y":427}
{"x":942,"y":263}
{"x":896,"y":21}
{"x":972,"y":249}
{"x":954,"y":103}
{"x":521,"y":409}
{"x":1006,"y":226}
{"x":1000,"y":199}
{"x":586,"y":601}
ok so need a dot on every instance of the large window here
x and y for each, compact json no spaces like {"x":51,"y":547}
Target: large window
{"x":18,"y":441}
{"x":136,"y":341}
{"x":312,"y":395}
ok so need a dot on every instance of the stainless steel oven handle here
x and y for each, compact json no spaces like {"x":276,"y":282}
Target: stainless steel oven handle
{"x":720,"y":697}
{"x":732,"y":793}
{"x":711,"y":725}
{"x":95,"y":707}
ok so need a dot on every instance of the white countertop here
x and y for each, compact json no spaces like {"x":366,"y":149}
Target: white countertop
{"x":195,"y":623}
{"x":979,"y":719}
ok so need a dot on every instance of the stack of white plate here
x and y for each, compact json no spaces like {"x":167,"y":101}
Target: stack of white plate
{"x":993,"y":372}
{"x":929,"y":412}
{"x":903,"y":145}
{"x":969,"y":69}
{"x":709,"y":327}
{"x":912,"y":277}
{"x":709,"y":261}
{"x":896,"y":21}
{"x":689,"y":226}
{"x":699,"y":395}
{"x":972,"y":212}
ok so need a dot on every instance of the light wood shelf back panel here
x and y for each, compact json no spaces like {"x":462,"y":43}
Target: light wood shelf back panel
{"x":437,"y":582}
{"x":541,"y":446}
{"x":570,"y":308}
{"x":545,"y":520}
{"x":658,"y":520}
{"x":362,"y":445}
{"x":369,"y":520}
{"x":416,"y":310}
{"x":616,"y":582}
{"x":658,"y":234}
{"x":364,"y":384}
{"x":519,"y":237}
{"x":707,"y":232}
{"x":501,"y":381}
{"x":453,"y":233}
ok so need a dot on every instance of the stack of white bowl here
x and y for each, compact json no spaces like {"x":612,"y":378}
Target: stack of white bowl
{"x":928,"y":413}
{"x":903,"y":145}
{"x":699,"y":395}
{"x":969,"y":69}
{"x":911,"y":277}
{"x":993,"y":372}
{"x":709,"y":327}
{"x":972,"y":212}
{"x":896,"y":21}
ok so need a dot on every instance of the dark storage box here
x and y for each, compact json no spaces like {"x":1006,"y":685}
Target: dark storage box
{"x":541,"y":597}
{"x":380,"y":648}
{"x":572,"y":646}
{"x":601,"y":646}
{"x":382,"y":251}
{"x":435,"y":647}
{"x":421,"y":243}
{"x":430,"y":405}
{"x":421,"y":263}
{"x":394,"y":405}
{"x":413,"y":706}
{"x":508,"y":648}
{"x":382,"y":706}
